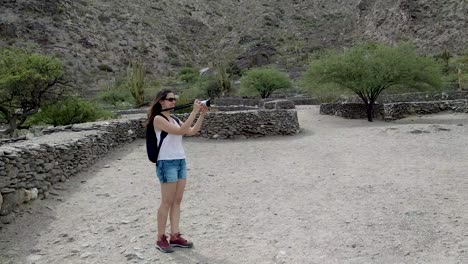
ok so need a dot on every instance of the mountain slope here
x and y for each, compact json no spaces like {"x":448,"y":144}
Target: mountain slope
{"x":97,"y":38}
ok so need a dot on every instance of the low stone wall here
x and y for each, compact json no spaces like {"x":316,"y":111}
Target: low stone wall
{"x":29,"y":168}
{"x":230,"y":101}
{"x":250,"y":124}
{"x":413,"y":97}
{"x":258,"y":102}
{"x":350,"y":110}
{"x":393,"y":111}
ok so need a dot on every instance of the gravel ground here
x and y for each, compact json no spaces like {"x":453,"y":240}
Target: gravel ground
{"x":341,"y":191}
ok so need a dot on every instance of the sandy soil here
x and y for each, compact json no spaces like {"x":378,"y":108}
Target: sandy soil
{"x":342,"y":191}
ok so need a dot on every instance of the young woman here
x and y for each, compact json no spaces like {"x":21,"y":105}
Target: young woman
{"x":171,"y":167}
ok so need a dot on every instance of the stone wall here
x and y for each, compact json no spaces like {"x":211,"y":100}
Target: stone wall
{"x":350,"y":110}
{"x":29,"y":168}
{"x":250,"y":124}
{"x":393,"y":111}
{"x":258,"y":102}
{"x":413,"y":97}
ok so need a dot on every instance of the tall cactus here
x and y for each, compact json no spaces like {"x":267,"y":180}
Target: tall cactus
{"x":136,"y":81}
{"x":223,"y":77}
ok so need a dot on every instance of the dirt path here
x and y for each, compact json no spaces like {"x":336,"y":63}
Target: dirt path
{"x":342,"y":191}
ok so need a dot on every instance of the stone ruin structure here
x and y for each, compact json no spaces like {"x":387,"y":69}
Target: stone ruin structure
{"x":393,"y":107}
{"x":29,"y":168}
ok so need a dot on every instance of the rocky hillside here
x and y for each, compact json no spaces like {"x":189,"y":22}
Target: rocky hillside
{"x":97,"y":38}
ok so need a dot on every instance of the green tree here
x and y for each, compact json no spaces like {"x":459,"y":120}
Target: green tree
{"x":369,"y":69}
{"x":263,"y":81}
{"x":27,"y":81}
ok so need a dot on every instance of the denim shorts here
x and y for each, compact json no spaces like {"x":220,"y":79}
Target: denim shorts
{"x":171,"y":170}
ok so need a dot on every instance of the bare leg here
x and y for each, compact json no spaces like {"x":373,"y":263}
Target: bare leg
{"x":168,"y":191}
{"x":175,"y":209}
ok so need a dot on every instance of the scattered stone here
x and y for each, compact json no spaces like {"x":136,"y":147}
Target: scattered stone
{"x":31,"y":194}
{"x":133,"y":256}
{"x":85,"y":255}
{"x":7,"y":219}
{"x":418,"y":131}
{"x":34,"y":258}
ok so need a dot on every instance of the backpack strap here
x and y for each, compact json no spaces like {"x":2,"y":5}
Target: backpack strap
{"x":163,"y":136}
{"x":152,"y":146}
{"x":176,"y":119}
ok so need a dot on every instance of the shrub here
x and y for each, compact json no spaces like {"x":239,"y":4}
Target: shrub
{"x":71,"y":110}
{"x":188,"y":75}
{"x":263,"y":81}
{"x":116,"y":97}
{"x":206,"y":87}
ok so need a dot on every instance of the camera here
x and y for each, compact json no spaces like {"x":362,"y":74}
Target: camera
{"x":206,"y":102}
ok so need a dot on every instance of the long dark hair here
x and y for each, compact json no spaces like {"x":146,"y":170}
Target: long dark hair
{"x":156,"y":107}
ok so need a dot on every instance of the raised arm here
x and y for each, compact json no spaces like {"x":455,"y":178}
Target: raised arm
{"x":194,"y":130}
{"x":162,"y":124}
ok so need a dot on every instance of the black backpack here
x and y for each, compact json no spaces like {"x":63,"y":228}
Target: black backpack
{"x":152,"y":147}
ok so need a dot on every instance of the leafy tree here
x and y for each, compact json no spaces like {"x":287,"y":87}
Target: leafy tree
{"x":263,"y":81}
{"x":27,"y":81}
{"x":369,"y":69}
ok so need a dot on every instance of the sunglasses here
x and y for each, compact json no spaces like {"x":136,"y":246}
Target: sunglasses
{"x":171,"y":99}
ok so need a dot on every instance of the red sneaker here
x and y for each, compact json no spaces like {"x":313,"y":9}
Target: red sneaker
{"x":163,"y":245}
{"x":178,"y":241}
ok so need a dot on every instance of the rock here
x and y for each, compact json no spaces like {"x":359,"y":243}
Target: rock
{"x":12,"y":171}
{"x":6,"y":190}
{"x":133,"y":256}
{"x":8,"y":30}
{"x":31,"y":194}
{"x":7,"y":219}
{"x":10,"y":201}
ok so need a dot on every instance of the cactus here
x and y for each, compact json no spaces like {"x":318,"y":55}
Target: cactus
{"x":136,"y":81}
